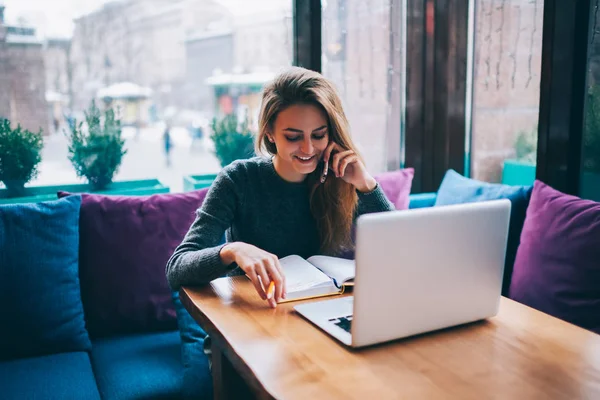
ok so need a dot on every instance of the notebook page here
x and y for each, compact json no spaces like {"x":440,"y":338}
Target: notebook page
{"x":301,"y":275}
{"x":340,"y":269}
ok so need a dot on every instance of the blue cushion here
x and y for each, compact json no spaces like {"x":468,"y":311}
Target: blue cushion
{"x":197,"y":379}
{"x":56,"y":376}
{"x":456,"y":189}
{"x":142,"y":366}
{"x":39,"y":279}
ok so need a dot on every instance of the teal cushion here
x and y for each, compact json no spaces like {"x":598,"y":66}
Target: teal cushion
{"x":421,"y":200}
{"x":197,"y":379}
{"x":141,"y":366}
{"x":456,"y":189}
{"x":56,"y":376}
{"x":42,"y":311}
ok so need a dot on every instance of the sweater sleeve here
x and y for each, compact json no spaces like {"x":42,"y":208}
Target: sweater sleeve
{"x":197,"y":259}
{"x":373,"y":201}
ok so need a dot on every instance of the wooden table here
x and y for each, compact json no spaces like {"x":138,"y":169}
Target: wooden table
{"x":275,"y":353}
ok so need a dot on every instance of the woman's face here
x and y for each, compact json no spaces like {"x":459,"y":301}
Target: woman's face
{"x":300,"y":135}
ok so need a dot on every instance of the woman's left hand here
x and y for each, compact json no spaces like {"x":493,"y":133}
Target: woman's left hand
{"x":346,"y":165}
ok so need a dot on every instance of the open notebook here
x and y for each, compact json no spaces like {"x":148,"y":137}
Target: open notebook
{"x":316,"y":276}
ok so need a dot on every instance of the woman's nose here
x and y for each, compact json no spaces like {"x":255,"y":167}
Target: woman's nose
{"x":307,"y":146}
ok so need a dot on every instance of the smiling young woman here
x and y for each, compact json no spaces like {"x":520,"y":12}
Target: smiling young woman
{"x":278,"y":204}
{"x":300,"y":135}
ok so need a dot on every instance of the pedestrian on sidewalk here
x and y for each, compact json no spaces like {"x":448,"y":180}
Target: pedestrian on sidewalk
{"x":168,"y":143}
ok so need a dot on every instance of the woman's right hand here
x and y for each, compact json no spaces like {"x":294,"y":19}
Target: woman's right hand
{"x":257,"y":263}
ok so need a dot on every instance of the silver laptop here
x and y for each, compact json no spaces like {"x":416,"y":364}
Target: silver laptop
{"x":418,"y":271}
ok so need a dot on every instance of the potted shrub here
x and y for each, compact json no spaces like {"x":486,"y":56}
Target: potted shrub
{"x":232,"y":141}
{"x":526,"y":146}
{"x":521,"y":169}
{"x":96,"y":152}
{"x":20,"y":154}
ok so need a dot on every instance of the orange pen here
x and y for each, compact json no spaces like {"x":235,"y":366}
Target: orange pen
{"x":270,"y":290}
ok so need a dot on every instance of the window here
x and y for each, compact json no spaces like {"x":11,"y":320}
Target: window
{"x":156,"y":62}
{"x":590,"y":175}
{"x":506,"y":59}
{"x":362,"y":55}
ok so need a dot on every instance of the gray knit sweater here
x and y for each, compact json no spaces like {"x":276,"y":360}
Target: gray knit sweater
{"x":250,"y":202}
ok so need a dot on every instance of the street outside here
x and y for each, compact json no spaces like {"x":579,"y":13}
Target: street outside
{"x":145,"y":158}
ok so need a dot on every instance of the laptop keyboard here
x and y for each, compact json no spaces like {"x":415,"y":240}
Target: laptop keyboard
{"x":343,"y":322}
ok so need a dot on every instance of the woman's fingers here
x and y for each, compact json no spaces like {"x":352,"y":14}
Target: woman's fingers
{"x":275,"y":277}
{"x":257,"y":284}
{"x":327,"y":152}
{"x":268,"y":273}
{"x":264,"y":277}
{"x":280,"y":269}
{"x":351,"y":158}
{"x":337,"y":157}
{"x":279,"y":283}
{"x":264,"y":270}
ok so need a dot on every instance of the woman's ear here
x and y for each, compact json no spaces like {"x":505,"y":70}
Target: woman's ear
{"x":270,"y":138}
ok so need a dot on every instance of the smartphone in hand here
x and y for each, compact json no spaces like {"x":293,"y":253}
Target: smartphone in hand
{"x":325,"y":171}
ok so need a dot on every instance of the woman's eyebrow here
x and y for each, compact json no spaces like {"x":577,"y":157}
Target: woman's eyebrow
{"x":301,"y":131}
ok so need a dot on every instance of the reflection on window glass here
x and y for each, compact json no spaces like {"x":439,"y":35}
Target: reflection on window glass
{"x":590,"y":178}
{"x":506,"y":89}
{"x":162,"y":65}
{"x":361,"y":55}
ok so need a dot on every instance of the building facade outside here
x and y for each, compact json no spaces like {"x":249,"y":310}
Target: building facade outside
{"x":357,"y":58}
{"x":22,"y":77}
{"x":507,"y":63}
{"x":263,"y":39}
{"x":57,"y":61}
{"x":137,"y":41}
{"x":207,"y":53}
{"x":232,"y":58}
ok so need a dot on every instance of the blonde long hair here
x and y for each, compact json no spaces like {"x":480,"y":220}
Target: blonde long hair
{"x":333,"y":203}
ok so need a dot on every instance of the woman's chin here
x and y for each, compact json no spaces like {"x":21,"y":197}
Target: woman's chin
{"x":305,"y":169}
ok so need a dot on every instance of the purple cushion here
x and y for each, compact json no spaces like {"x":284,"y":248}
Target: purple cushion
{"x":557,"y":269}
{"x":396,"y":185}
{"x":125,"y":243}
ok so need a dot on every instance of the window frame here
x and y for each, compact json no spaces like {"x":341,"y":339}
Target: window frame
{"x":435,"y":123}
{"x":307,"y":34}
{"x":562,"y":98}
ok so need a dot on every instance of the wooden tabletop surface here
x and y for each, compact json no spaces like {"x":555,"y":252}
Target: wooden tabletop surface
{"x":519,"y":354}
